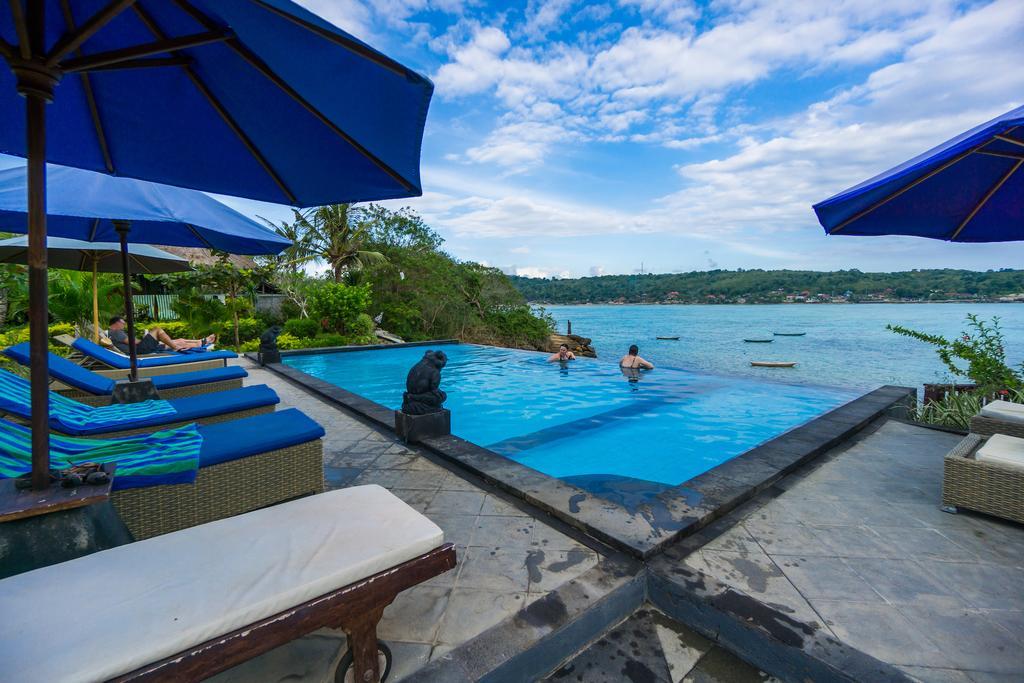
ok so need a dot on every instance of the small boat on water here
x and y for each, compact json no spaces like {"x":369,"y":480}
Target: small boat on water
{"x":767,"y":340}
{"x":668,"y":338}
{"x":789,"y":334}
{"x":772,"y":364}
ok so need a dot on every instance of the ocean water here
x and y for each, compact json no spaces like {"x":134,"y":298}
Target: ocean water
{"x":586,"y":421}
{"x":845,"y":345}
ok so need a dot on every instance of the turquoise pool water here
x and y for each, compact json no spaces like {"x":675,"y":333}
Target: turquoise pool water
{"x":587,"y":421}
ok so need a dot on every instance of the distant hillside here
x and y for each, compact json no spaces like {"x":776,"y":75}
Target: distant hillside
{"x":777,"y":286}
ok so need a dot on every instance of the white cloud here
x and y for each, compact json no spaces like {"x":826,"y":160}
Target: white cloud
{"x":596,"y":271}
{"x":520,"y":250}
{"x":535,"y":271}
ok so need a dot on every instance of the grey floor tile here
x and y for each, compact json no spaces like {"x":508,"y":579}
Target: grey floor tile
{"x":757,"y":576}
{"x":924,"y":543}
{"x":986,"y":586}
{"x":905,"y":582}
{"x":549,"y":569}
{"x":401,"y":479}
{"x":1012,"y":621}
{"x":855,"y":542}
{"x":496,"y":506}
{"x":825,"y":577}
{"x":501,"y":569}
{"x":457,"y":502}
{"x":406,"y":658}
{"x":881,"y":631}
{"x":968,"y":638}
{"x":473,"y":611}
{"x":787,"y":539}
{"x":736,"y":539}
{"x":499,"y":530}
{"x":418,"y":499}
{"x":457,"y":529}
{"x":414,"y":615}
{"x":928,"y":675}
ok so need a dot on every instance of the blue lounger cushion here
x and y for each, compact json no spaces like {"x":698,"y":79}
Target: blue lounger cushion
{"x":236,"y":439}
{"x":91,"y":382}
{"x":187,"y":379}
{"x":116,"y":360}
{"x":68,"y":416}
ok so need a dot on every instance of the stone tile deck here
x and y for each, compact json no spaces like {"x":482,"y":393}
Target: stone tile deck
{"x":650,"y":647}
{"x":507,"y":559}
{"x":858,"y":546}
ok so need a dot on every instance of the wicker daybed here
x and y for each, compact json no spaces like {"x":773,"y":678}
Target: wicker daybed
{"x":991,"y":487}
{"x":999,"y":417}
{"x":113,"y":364}
{"x":230,"y":488}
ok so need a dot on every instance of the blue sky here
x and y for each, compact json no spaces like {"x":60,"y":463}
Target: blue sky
{"x":575,"y":138}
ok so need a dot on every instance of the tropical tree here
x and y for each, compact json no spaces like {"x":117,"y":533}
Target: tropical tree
{"x":294,"y":257}
{"x":337,"y":235}
{"x":70,"y":296}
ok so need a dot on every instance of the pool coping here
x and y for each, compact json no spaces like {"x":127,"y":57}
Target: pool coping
{"x":676,"y":512}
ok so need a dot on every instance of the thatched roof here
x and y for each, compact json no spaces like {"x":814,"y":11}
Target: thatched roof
{"x":204,"y":257}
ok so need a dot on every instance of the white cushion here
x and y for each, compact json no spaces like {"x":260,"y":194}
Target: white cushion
{"x":109,"y":613}
{"x":1005,"y":411}
{"x":1002,"y":449}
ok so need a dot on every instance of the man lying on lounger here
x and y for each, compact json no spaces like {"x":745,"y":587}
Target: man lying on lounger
{"x":155,"y":340}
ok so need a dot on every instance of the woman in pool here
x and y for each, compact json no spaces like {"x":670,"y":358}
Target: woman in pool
{"x":563,"y":355}
{"x":633,"y":361}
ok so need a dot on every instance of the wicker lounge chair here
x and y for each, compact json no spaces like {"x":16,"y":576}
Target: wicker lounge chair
{"x":999,"y":417}
{"x":243,"y":465}
{"x":188,"y":605}
{"x":73,"y":418}
{"x":991,"y":481}
{"x":113,"y":364}
{"x":91,"y":388}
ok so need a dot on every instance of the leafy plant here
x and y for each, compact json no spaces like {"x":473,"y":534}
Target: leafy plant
{"x":956,"y":409}
{"x":338,"y":305}
{"x":981,"y":347}
{"x":336,"y":235}
{"x":71,"y":296}
{"x":303,"y":328}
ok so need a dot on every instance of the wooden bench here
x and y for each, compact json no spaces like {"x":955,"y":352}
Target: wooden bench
{"x":193,"y":603}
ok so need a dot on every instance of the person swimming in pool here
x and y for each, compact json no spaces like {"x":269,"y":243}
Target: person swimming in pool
{"x":564,"y":355}
{"x":633,"y":361}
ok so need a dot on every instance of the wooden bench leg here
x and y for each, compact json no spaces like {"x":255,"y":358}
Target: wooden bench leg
{"x":362,"y":639}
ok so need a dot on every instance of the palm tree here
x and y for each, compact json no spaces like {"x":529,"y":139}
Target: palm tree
{"x":334,"y":234}
{"x":292,"y":258}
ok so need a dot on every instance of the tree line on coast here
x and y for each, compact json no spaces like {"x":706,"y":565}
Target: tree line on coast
{"x":775,"y":286}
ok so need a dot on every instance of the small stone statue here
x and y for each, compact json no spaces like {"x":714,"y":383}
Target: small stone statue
{"x":268,"y":351}
{"x":422,"y":393}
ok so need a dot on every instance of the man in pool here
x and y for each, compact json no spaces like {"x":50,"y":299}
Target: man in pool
{"x":633,"y":361}
{"x":563,"y":355}
{"x":154,"y":340}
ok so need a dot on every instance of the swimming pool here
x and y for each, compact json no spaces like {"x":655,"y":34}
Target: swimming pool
{"x":587,"y":421}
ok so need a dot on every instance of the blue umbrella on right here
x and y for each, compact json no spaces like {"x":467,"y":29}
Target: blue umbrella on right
{"x":968,"y":189}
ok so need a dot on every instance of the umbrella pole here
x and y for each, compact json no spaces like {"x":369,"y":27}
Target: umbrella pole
{"x":123,"y":228}
{"x":95,"y":302}
{"x":35,"y":83}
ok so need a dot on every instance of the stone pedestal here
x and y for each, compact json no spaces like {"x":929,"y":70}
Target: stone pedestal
{"x":126,"y":391}
{"x":411,"y":428}
{"x":40,"y":541}
{"x":269,"y":357}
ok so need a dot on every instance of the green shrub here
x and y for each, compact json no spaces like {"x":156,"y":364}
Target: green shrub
{"x":304,"y":328}
{"x":58,"y":329}
{"x":981,"y":347}
{"x":176,"y":329}
{"x":363,"y":326}
{"x":339,"y":305}
{"x":249,"y":328}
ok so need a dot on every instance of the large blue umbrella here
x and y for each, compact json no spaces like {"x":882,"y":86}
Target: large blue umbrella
{"x":968,"y":189}
{"x":83,"y":205}
{"x":256,"y":98}
{"x":96,"y":207}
